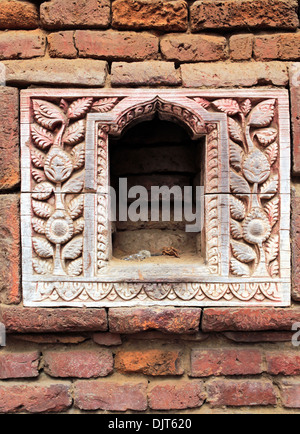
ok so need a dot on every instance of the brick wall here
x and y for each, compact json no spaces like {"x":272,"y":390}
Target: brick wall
{"x":143,"y":360}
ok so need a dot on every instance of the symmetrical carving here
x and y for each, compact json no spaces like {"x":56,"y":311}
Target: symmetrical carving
{"x":65,"y":187}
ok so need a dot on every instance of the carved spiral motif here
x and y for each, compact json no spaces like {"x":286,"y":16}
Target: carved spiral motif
{"x":256,"y":228}
{"x":60,"y":228}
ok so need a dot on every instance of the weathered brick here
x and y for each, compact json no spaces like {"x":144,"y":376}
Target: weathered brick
{"x":107,"y":339}
{"x":19,"y":365}
{"x":194,"y":48}
{"x":149,"y":362}
{"x":116,"y":45}
{"x":241,"y":393}
{"x":22,"y":44}
{"x":18,"y":15}
{"x":59,"y":14}
{"x":290,"y":393}
{"x":283,"y":363}
{"x":234,"y":74}
{"x":295,"y":104}
{"x":78,"y":364}
{"x":241,"y":46}
{"x":61,"y":44}
{"x":167,"y":320}
{"x":10,"y":242}
{"x":154,"y":336}
{"x":259,"y":337}
{"x":86,"y":72}
{"x":283,"y":46}
{"x":231,"y":361}
{"x":111,"y":396}
{"x":150,"y":14}
{"x":148,"y":73}
{"x":34,"y":398}
{"x":34,"y":320}
{"x":247,"y":14}
{"x":9,"y":138}
{"x":51,"y":338}
{"x":249,"y":319}
{"x":170,"y":396}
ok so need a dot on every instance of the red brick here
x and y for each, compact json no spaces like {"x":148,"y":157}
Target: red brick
{"x":205,"y":363}
{"x":116,"y":45}
{"x":50,"y":338}
{"x":9,"y":138}
{"x":166,"y":320}
{"x":61,"y":44}
{"x":249,"y":319}
{"x":230,"y":14}
{"x":19,"y":365}
{"x":259,"y":337}
{"x":78,"y":364}
{"x":149,"y":362}
{"x":241,"y":46}
{"x":194,"y":48}
{"x":107,"y":339}
{"x":60,"y":14}
{"x":18,"y":15}
{"x":111,"y":396}
{"x":240,"y":393}
{"x":35,"y":320}
{"x":234,"y":74}
{"x":283,"y":46}
{"x":10,"y":291}
{"x":177,"y":396}
{"x":295,"y":226}
{"x":283,"y":363}
{"x":148,"y":73}
{"x":290,"y":393}
{"x":22,"y":45}
{"x":34,"y":398}
{"x":150,"y":14}
{"x":295,"y":104}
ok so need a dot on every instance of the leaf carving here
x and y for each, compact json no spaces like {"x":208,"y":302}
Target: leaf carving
{"x":272,"y":209}
{"x":39,"y":225}
{"x":272,"y":153}
{"x":262,"y":115}
{"x":104,"y":105}
{"x":78,"y":226}
{"x":38,"y":175}
{"x":269,"y":188}
{"x":75,"y":207}
{"x":43,"y":191}
{"x":47,"y":114}
{"x":236,"y":156}
{"x":242,"y":252}
{"x":73,"y":249}
{"x":266,"y":136}
{"x":236,"y":230}
{"x":246,"y":106}
{"x":78,"y":155}
{"x":42,"y":209}
{"x":75,"y":133}
{"x":75,"y":268}
{"x":42,"y":247}
{"x":239,"y":269}
{"x":37,"y":158}
{"x":41,"y":266}
{"x":272,"y":248}
{"x":74,"y":185}
{"x":237,"y":208}
{"x":227,"y":105}
{"x":79,"y":108}
{"x":274,"y":268}
{"x":235,"y":130}
{"x":41,"y":137}
{"x":239,"y":185}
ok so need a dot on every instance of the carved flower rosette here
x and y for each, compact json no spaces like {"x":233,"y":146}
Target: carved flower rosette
{"x":254,"y":182}
{"x":57,"y":170}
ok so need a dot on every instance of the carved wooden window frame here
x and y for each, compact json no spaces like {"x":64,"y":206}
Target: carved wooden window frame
{"x":247,"y":197}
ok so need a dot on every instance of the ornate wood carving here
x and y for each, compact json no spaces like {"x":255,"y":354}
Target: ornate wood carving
{"x":66,"y":231}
